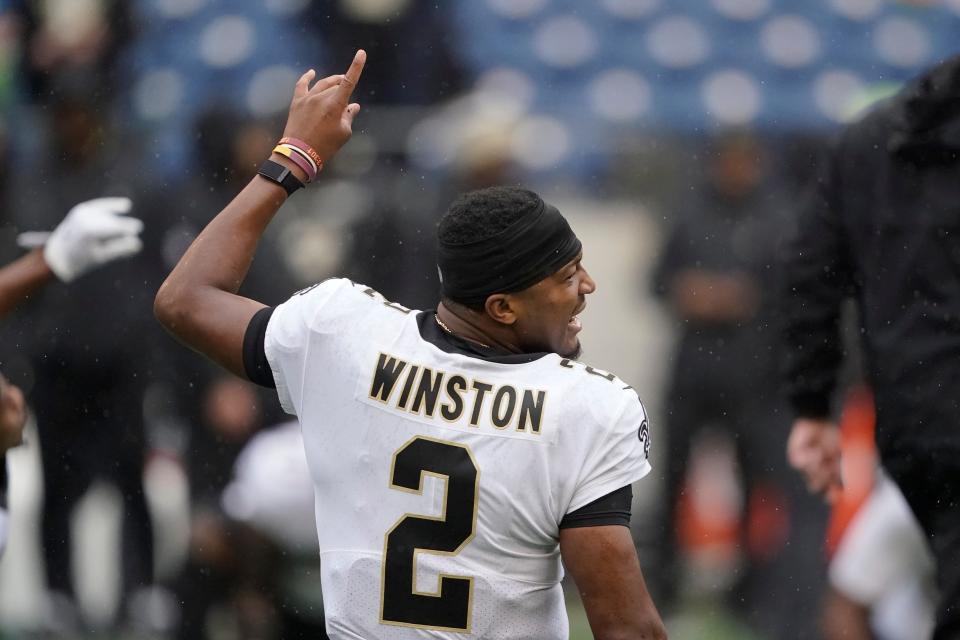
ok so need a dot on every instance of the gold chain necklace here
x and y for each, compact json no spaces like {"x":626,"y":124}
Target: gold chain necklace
{"x":448,"y":330}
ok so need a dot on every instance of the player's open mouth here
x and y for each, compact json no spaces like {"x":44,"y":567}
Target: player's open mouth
{"x":574,"y":322}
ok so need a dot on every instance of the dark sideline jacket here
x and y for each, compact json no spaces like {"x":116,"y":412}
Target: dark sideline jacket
{"x":882,"y":225}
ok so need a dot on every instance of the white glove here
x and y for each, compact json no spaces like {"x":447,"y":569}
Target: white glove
{"x":93,"y":233}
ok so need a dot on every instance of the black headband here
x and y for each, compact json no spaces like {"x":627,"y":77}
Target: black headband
{"x":521,"y":255}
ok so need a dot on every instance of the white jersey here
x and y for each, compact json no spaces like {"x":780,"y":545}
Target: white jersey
{"x":441,"y":478}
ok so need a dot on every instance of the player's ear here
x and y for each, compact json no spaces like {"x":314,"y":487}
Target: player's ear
{"x":502,"y":308}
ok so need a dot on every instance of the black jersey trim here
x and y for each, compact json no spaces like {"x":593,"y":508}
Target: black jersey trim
{"x":432,"y":333}
{"x":613,"y":508}
{"x":254,"y":354}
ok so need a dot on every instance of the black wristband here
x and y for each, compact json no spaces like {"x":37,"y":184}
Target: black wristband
{"x":276,"y":172}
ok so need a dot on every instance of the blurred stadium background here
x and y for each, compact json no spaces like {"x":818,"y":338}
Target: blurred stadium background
{"x":608,"y":107}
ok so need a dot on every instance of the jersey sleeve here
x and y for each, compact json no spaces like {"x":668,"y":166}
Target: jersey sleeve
{"x":611,"y":509}
{"x":618,"y":457}
{"x":288,"y":335}
{"x":255,"y":362}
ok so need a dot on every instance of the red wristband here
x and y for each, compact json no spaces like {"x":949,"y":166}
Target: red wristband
{"x":303,"y":146}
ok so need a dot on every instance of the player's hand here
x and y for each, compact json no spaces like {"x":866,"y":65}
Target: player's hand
{"x":813,"y":449}
{"x":322,"y":115}
{"x":93,"y":233}
{"x":13,"y":415}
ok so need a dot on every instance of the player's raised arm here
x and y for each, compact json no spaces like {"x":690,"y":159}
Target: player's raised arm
{"x":198,"y":302}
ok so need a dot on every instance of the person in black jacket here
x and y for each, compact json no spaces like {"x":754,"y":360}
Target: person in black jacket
{"x":93,"y":233}
{"x":883,"y":227}
{"x":86,"y":354}
{"x":714,"y":275}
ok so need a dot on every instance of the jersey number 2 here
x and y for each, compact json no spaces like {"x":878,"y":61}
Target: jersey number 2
{"x":446,"y":534}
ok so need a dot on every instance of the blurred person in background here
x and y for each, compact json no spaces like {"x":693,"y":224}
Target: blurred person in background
{"x":392,"y":247}
{"x":270,"y":503}
{"x":882,"y":574}
{"x":92,"y":234}
{"x":429,"y":69}
{"x":76,"y":37}
{"x":230,"y":415}
{"x":880,"y":227}
{"x":716,"y":276}
{"x":227,"y":147}
{"x":86,"y":353}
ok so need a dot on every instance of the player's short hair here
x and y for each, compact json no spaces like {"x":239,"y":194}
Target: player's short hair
{"x":481,"y":214}
{"x":478,"y":215}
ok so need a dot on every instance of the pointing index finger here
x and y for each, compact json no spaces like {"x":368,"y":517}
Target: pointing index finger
{"x":352,"y":76}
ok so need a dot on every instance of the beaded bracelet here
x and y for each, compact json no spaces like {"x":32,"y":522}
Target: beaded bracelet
{"x":307,"y":149}
{"x":303,"y":162}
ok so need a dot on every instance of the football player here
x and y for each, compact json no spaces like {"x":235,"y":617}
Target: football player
{"x":457,"y":454}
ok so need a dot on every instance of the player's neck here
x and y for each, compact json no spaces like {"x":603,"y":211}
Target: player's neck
{"x":476,"y":328}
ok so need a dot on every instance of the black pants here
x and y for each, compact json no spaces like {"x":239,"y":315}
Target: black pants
{"x":758,"y":432}
{"x":930,"y":481}
{"x":91,"y":427}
